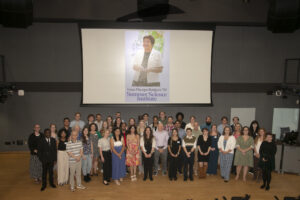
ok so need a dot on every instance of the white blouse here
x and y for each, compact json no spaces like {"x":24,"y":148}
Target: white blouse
{"x":229,"y":145}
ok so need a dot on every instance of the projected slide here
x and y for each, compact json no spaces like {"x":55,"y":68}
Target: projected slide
{"x":147,"y":66}
{"x":127,"y":66}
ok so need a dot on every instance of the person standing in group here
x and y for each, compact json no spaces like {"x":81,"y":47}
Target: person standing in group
{"x":90,"y":120}
{"x":87,"y":156}
{"x":161,"y":151}
{"x":254,"y":127}
{"x":162,"y":117}
{"x":207,"y":124}
{"x":118,"y":156}
{"x":214,"y":154}
{"x":109,"y":120}
{"x":236,"y":133}
{"x":146,"y":119}
{"x":67,"y":127}
{"x":77,"y":121}
{"x":62,"y":158}
{"x":189,"y":146}
{"x":147,"y":143}
{"x":204,"y":146}
{"x":154,"y":124}
{"x":35,"y":168}
{"x":170,"y":125}
{"x":244,"y":153}
{"x":75,"y":152}
{"x":180,"y":117}
{"x":117,"y":122}
{"x":181,"y":134}
{"x":257,"y":173}
{"x":191,"y":125}
{"x":47,"y":154}
{"x":99,"y":121}
{"x":105,"y":154}
{"x":140,"y":131}
{"x":53,"y":131}
{"x":226,"y":145}
{"x":133,"y":153}
{"x":267,"y":153}
{"x":224,"y":124}
{"x":196,"y":132}
{"x":174,"y":147}
{"x":94,"y":136}
{"x":235,"y":121}
{"x":104,"y":127}
{"x":131,"y":122}
{"x":77,"y":129}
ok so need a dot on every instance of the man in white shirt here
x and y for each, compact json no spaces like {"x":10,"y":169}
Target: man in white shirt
{"x":147,"y":64}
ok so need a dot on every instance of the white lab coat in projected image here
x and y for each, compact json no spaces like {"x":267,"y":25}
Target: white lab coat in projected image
{"x":153,"y":61}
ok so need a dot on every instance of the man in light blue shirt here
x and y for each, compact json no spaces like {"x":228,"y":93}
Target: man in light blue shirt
{"x":221,"y":127}
{"x":77,"y":121}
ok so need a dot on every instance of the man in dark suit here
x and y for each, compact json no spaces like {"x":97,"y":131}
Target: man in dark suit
{"x":47,"y":154}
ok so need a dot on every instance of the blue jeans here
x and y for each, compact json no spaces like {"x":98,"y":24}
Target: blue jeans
{"x":86,"y":164}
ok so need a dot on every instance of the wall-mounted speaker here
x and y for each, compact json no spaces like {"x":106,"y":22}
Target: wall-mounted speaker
{"x":16,"y":13}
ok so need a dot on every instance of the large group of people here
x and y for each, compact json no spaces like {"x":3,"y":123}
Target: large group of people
{"x":114,"y":148}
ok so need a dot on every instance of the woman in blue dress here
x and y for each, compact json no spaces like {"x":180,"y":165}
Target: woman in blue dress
{"x":214,"y":154}
{"x":118,"y":156}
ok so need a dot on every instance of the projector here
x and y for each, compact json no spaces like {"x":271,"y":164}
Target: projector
{"x":6,"y":90}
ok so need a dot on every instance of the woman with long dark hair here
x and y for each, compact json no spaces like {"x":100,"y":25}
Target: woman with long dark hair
{"x":87,"y":154}
{"x":62,"y":158}
{"x":148,"y":148}
{"x":154,"y":124}
{"x":254,"y":127}
{"x":174,"y":147}
{"x":94,"y":136}
{"x":133,"y":152}
{"x":118,"y":156}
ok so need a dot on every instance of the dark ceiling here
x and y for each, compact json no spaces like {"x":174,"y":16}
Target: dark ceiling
{"x":252,"y":12}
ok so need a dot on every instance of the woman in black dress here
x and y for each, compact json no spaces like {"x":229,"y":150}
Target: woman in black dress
{"x":204,"y":146}
{"x":267,"y":153}
{"x":174,"y":147}
{"x":147,"y":144}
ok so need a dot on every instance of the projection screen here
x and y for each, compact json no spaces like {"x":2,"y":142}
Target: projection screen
{"x":146,"y":66}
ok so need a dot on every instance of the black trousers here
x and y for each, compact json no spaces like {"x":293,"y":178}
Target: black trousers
{"x":173,"y":166}
{"x":180,"y":161}
{"x":107,"y":166}
{"x":47,"y":168}
{"x":188,"y":165}
{"x":266,"y":176}
{"x":148,"y":166}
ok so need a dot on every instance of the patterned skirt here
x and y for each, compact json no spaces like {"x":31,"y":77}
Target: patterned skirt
{"x":35,"y":168}
{"x":133,"y":155}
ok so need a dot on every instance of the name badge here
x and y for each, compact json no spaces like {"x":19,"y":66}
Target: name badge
{"x":178,"y":142}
